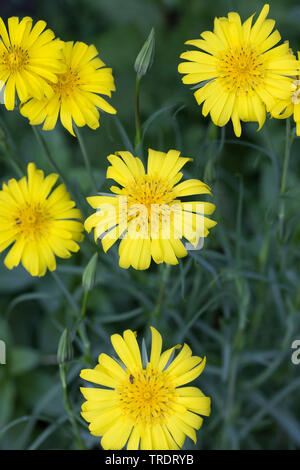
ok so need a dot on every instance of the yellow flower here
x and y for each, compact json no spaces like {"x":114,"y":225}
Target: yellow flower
{"x":290,"y":106}
{"x":30,"y":58}
{"x":144,"y":405}
{"x":76,"y":93}
{"x":241,"y":74}
{"x":37,"y":224}
{"x":147,"y":212}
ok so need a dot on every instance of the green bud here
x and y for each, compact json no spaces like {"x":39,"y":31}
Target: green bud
{"x":65,"y":348}
{"x":145,"y":57}
{"x":89,"y":275}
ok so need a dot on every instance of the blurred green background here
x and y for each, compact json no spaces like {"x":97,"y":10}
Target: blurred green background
{"x":237,"y":301}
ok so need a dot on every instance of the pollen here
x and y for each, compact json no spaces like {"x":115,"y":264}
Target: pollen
{"x":15,"y":59}
{"x":67,"y":83}
{"x":32,"y":221}
{"x":149,"y":190}
{"x":147,"y":397}
{"x":296,"y":94}
{"x":241,"y":69}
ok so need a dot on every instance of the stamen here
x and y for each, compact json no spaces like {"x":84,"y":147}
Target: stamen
{"x":241,"y":69}
{"x":67,"y":83}
{"x":147,"y":399}
{"x":15,"y":59}
{"x":296,"y":94}
{"x":32,"y":221}
{"x":148,"y":190}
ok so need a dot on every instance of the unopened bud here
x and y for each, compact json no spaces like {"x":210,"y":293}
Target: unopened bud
{"x":145,"y":57}
{"x":89,"y":275}
{"x":65,"y":348}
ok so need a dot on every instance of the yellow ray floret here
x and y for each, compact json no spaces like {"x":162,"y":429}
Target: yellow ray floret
{"x":291,"y":106}
{"x":37,"y":224}
{"x":30,"y":59}
{"x":147,"y":212}
{"x":240,"y":73}
{"x":76,"y":94}
{"x":145,"y":406}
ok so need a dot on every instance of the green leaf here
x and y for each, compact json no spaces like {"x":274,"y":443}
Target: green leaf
{"x":22,"y":360}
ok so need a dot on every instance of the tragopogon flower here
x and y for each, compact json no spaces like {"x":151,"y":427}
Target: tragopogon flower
{"x":291,"y":106}
{"x":30,"y":59}
{"x":147,"y":212}
{"x":76,"y":93}
{"x":37,"y":224}
{"x":241,"y":74}
{"x":144,"y":405}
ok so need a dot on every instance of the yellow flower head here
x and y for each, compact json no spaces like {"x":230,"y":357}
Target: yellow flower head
{"x":30,"y":58}
{"x":144,"y":405}
{"x":37,"y":224}
{"x":147,"y":212}
{"x":76,"y":93}
{"x":241,"y":74}
{"x":291,"y":106}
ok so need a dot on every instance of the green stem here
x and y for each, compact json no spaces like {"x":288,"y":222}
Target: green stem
{"x":288,"y":144}
{"x":66,"y":293}
{"x":86,"y":343}
{"x":70,"y":413}
{"x":79,"y":313}
{"x":138,"y":135}
{"x":47,"y":153}
{"x":86,"y":159}
{"x":15,"y":162}
{"x":81,"y":329}
{"x":287,"y":153}
{"x":162,"y":289}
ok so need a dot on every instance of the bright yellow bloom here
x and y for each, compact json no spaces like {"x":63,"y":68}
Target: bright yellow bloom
{"x":290,"y":106}
{"x":241,"y":74}
{"x":37,"y":224}
{"x":147,"y":212}
{"x":76,"y":93}
{"x":144,"y":406}
{"x":30,"y":59}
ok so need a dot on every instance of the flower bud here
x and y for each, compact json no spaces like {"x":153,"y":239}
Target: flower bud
{"x":89,"y":275}
{"x":65,"y":348}
{"x":145,"y":57}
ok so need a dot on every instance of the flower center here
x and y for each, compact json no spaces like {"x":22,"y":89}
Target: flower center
{"x":147,"y":397}
{"x":149,"y":190}
{"x":296,"y":94}
{"x":15,"y":59}
{"x":67,"y":83}
{"x":32,"y":221}
{"x":241,"y":69}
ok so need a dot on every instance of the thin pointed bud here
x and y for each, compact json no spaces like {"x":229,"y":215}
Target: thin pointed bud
{"x":65,"y":348}
{"x":145,"y":57}
{"x":90,"y":272}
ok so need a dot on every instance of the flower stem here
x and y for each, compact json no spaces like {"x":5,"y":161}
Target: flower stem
{"x":84,"y":304}
{"x":47,"y":153}
{"x":81,"y":329}
{"x":63,"y":378}
{"x":16,"y":163}
{"x":165,"y":277}
{"x":66,"y":293}
{"x":86,"y":159}
{"x":289,"y":137}
{"x":138,"y":135}
{"x":78,"y":313}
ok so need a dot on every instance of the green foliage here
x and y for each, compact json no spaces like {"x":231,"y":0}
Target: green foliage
{"x":237,"y":300}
